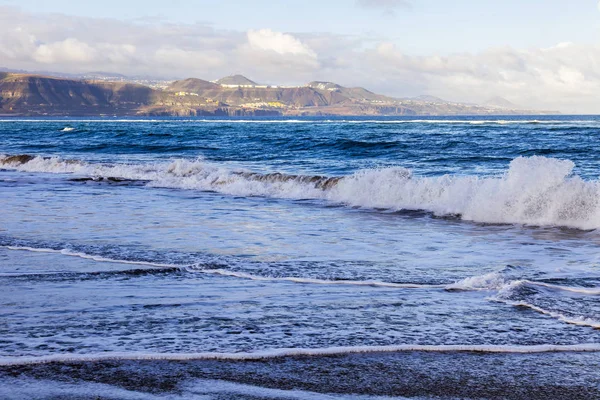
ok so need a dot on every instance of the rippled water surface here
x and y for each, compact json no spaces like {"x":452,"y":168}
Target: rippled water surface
{"x":174,"y":238}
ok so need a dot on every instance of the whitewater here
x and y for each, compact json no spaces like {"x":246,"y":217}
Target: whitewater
{"x":534,"y":190}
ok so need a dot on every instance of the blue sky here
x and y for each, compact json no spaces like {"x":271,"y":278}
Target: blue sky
{"x":538,"y":53}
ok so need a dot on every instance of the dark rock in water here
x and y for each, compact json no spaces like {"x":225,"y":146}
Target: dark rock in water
{"x":18,"y":159}
{"x":108,"y":179}
{"x":319,"y":182}
{"x":99,"y":179}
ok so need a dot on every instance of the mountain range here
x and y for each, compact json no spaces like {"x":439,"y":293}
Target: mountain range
{"x":31,"y":95}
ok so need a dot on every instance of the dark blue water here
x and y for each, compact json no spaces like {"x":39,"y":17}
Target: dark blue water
{"x":171,"y":238}
{"x":332,"y":146}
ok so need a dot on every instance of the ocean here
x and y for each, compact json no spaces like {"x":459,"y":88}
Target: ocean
{"x":310,"y":258}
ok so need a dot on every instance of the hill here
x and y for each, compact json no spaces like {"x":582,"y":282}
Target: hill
{"x":501,"y":102}
{"x":193,"y":85}
{"x":241,"y":95}
{"x":313,"y":94}
{"x":26,"y":94}
{"x":430,"y":99}
{"x":31,"y":94}
{"x":236,"y":80}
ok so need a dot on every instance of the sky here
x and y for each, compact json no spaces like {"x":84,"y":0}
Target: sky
{"x":543,"y":54}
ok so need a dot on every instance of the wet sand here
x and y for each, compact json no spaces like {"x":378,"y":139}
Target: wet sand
{"x":412,"y":374}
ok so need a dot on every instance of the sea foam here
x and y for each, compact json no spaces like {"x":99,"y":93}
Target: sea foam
{"x":491,"y":281}
{"x":68,"y":252}
{"x":579,"y":320}
{"x":291,"y":352}
{"x":533,"y":191}
{"x":314,"y":281}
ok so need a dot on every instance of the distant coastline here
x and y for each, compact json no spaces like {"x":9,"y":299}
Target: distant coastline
{"x":28,"y":95}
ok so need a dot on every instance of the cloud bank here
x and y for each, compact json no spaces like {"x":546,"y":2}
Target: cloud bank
{"x":564,"y":77}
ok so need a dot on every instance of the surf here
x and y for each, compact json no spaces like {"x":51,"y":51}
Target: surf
{"x":535,"y":190}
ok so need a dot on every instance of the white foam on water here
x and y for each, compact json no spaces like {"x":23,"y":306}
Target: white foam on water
{"x":506,"y":291}
{"x":67,"y":252}
{"x":490,"y":281}
{"x":583,"y":290}
{"x":202,"y":386}
{"x":221,"y":272}
{"x":533,"y":191}
{"x":33,"y":389}
{"x":573,"y":320}
{"x":25,"y":388}
{"x":372,"y":283}
{"x":495,"y":281}
{"x":290,"y":352}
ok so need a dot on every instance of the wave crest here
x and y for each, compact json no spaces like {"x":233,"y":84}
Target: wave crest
{"x":533,"y":191}
{"x":491,"y":281}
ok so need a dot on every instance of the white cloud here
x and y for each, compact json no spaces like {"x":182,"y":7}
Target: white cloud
{"x":280,"y":43}
{"x":67,"y":51}
{"x":563,"y":77}
{"x":175,"y":57}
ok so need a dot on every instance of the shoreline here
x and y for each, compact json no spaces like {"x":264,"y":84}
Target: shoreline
{"x":410,"y":374}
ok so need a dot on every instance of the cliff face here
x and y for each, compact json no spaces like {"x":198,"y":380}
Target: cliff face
{"x":21,"y":92}
{"x":296,"y":97}
{"x":38,"y":95}
{"x":29,"y":94}
{"x":315,"y":94}
{"x":182,"y":111}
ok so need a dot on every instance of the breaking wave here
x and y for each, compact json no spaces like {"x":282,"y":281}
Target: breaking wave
{"x":491,"y":281}
{"x":498,"y":281}
{"x":533,"y":191}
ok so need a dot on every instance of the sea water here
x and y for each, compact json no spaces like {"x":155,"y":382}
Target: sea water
{"x":124,"y":240}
